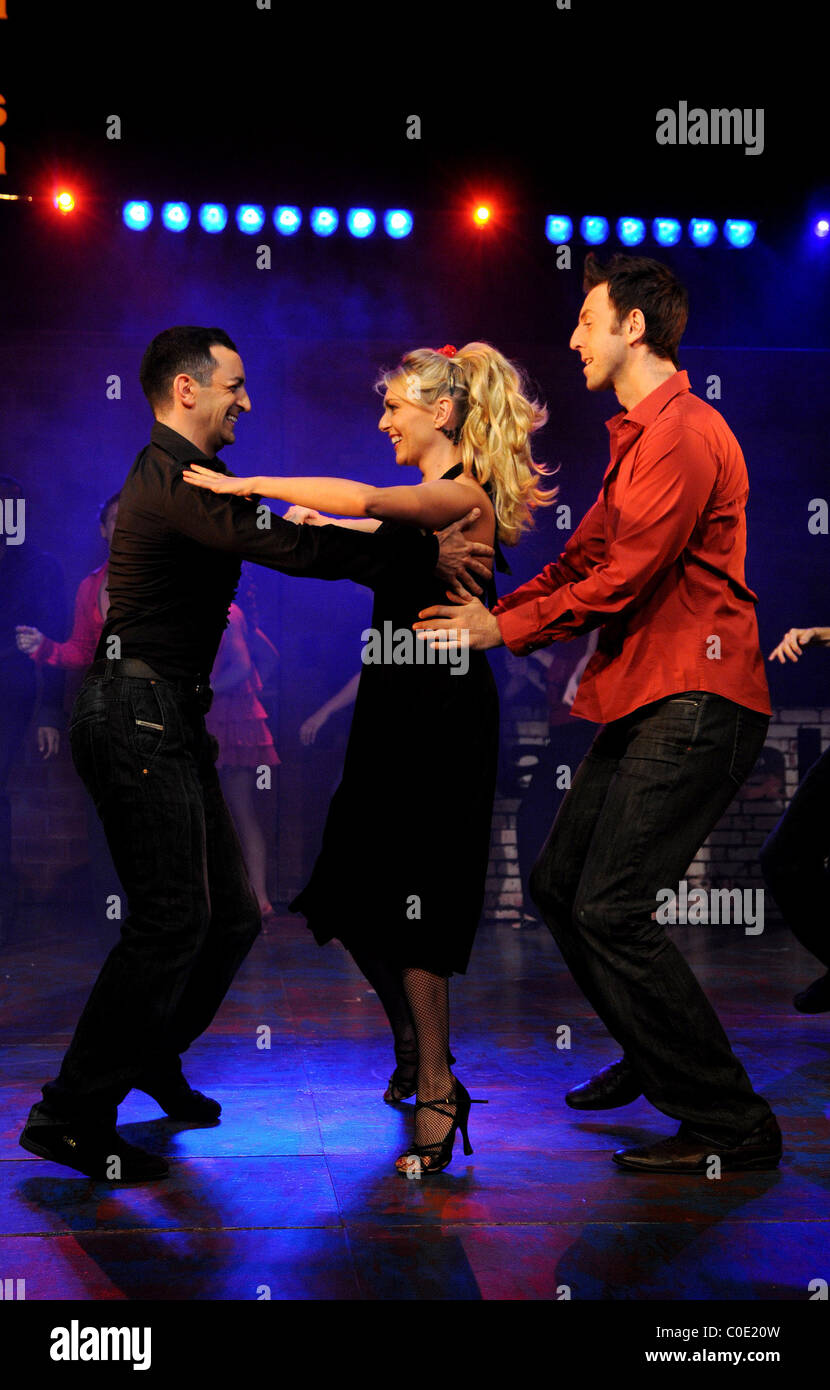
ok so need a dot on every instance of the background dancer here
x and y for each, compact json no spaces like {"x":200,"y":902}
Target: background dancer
{"x":794,"y":856}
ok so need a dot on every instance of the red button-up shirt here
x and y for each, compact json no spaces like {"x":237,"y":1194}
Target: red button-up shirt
{"x":658,"y":564}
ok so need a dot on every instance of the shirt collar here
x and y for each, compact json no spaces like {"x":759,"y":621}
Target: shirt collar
{"x":181,"y":449}
{"x":627,"y":425}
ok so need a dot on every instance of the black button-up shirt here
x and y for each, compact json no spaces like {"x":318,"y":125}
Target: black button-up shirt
{"x":177,"y":553}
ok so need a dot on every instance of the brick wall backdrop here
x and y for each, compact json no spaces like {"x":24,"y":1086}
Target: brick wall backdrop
{"x":729,"y":857}
{"x":50,"y":850}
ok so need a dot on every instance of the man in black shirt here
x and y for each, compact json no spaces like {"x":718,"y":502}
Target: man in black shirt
{"x":139,"y":743}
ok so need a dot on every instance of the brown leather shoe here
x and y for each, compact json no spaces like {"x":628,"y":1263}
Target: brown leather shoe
{"x":614,"y":1085}
{"x":686,"y":1152}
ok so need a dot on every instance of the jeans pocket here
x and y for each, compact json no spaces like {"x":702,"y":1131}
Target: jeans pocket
{"x":750,"y":737}
{"x":147,"y":721}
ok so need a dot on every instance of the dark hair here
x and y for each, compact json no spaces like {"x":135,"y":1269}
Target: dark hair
{"x":105,"y":506}
{"x":635,"y":282}
{"x":182,"y":349}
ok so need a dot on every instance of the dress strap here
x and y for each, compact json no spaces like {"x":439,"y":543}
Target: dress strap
{"x":501,"y":564}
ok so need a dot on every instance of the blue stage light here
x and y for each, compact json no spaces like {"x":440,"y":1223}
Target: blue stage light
{"x":558,"y":229}
{"x":360,"y":221}
{"x":137,"y":216}
{"x":631,"y":230}
{"x":594,"y":230}
{"x":703,"y":231}
{"x":738,"y":232}
{"x":324,"y":221}
{"x":213,"y":217}
{"x":250,"y":218}
{"x":666,"y":231}
{"x":398,"y":222}
{"x":287,"y":220}
{"x":175,"y":216}
{"x":821,"y":227}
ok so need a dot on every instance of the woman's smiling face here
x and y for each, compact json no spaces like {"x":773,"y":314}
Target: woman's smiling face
{"x":410,"y":425}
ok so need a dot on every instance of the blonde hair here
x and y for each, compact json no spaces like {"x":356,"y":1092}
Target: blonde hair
{"x":493,"y":418}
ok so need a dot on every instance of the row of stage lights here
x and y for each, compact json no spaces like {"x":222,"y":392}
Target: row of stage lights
{"x":361,"y":222}
{"x":251,"y":218}
{"x":666,"y":231}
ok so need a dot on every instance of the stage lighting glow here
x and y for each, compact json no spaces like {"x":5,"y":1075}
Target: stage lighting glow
{"x":558,"y":229}
{"x":324,"y":221}
{"x":137,"y":216}
{"x":64,"y":202}
{"x":398,"y":222}
{"x":213,"y":217}
{"x":703,"y":231}
{"x":821,"y":228}
{"x":594,"y":230}
{"x":175,"y":216}
{"x":287,"y":220}
{"x":481,"y":215}
{"x":666,"y":231}
{"x":360,"y":221}
{"x":738,"y":232}
{"x":250,"y":218}
{"x":631,"y":230}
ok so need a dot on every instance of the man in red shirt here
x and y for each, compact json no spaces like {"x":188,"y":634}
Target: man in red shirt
{"x":657,"y":564}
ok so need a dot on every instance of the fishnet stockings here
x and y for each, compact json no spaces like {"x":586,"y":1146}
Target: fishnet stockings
{"x":388,"y":986}
{"x":428,"y":997}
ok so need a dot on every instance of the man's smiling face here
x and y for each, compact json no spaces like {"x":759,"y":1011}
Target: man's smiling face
{"x":220,"y":404}
{"x":599,"y":340}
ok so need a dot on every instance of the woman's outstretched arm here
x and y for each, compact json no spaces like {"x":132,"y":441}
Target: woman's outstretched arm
{"x":431,"y":505}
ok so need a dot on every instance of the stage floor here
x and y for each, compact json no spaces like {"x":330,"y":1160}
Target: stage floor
{"x":294,"y":1195}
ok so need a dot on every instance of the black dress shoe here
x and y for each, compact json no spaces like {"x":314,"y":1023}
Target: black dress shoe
{"x":815,"y":999}
{"x":180,"y":1101}
{"x":95,"y":1150}
{"x":687,"y":1152}
{"x":614,"y":1085}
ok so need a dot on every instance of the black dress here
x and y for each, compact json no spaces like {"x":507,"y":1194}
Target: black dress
{"x":401,"y":871}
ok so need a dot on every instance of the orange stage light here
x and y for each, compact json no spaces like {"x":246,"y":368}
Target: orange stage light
{"x":64,"y":202}
{"x":482,"y":215}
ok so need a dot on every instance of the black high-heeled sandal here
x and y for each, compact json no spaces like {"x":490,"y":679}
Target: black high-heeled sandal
{"x":439,"y":1154}
{"x":403,"y":1082}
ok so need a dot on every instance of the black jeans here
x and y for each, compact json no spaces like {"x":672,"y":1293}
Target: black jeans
{"x":144,"y":754}
{"x":648,"y":793}
{"x":793,"y":861}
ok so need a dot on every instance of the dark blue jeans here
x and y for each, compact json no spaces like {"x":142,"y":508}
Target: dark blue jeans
{"x":642,"y":802}
{"x":144,"y":754}
{"x":793,"y":861}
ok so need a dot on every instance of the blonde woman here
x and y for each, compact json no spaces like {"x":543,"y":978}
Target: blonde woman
{"x":400,"y":877}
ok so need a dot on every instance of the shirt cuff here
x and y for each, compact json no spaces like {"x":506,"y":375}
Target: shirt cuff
{"x":522,"y":637}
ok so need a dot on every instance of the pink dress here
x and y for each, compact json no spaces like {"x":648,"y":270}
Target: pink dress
{"x":237,"y":717}
{"x":88,"y":622}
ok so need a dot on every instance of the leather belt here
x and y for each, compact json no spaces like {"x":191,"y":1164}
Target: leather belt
{"x":133,"y":666}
